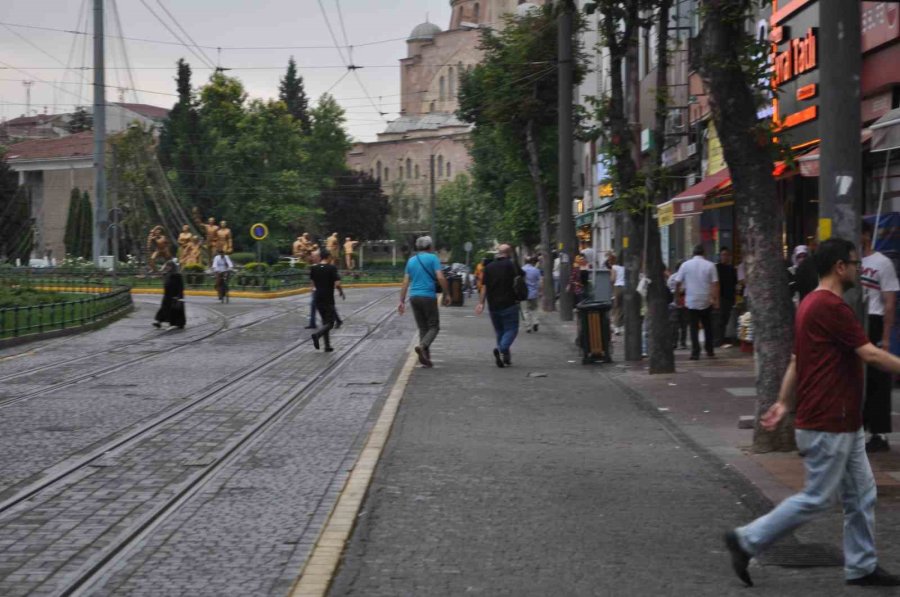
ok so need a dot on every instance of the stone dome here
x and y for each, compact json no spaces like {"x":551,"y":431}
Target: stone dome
{"x":524,"y":8}
{"x":424,"y":31}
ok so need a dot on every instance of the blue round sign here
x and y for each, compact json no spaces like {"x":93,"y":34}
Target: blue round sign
{"x":259,"y":231}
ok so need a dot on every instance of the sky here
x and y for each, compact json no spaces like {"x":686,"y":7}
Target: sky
{"x":233,"y":25}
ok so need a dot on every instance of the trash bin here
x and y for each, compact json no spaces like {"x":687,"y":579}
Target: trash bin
{"x":593,"y":331}
{"x":455,"y":285}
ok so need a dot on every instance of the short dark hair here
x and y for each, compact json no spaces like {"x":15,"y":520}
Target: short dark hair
{"x":830,"y":252}
{"x":699,"y":250}
{"x":324,"y":253}
{"x":724,"y":249}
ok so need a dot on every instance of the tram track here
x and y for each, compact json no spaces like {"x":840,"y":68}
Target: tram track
{"x":223,"y":327}
{"x":170,"y":498}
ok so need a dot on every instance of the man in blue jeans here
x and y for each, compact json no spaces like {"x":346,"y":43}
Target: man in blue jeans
{"x":501,"y":297}
{"x":824,"y":383}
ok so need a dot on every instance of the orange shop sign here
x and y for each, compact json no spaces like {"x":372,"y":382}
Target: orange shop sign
{"x":798,"y":58}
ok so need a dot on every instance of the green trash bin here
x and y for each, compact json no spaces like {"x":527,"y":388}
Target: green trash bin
{"x":594,"y":331}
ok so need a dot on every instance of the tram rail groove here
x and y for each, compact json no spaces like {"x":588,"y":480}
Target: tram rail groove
{"x":97,"y":568}
{"x":198,"y":400}
{"x":113,"y":368}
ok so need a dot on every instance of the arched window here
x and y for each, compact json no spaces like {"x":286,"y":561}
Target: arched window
{"x":442,"y":94}
{"x":417,"y":171}
{"x":448,"y":169}
{"x":408,"y":168}
{"x":432,"y":107}
{"x":440,"y":165}
{"x":477,"y":12}
{"x":378,"y":169}
{"x":387,"y":174}
{"x":452,"y":83}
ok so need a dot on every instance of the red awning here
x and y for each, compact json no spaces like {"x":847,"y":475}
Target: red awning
{"x":704,"y":187}
{"x":809,"y":161}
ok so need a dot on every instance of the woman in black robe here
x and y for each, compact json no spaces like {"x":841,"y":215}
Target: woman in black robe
{"x":171,"y":310}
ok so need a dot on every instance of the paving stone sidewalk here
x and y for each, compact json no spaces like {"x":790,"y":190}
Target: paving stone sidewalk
{"x":547,"y":478}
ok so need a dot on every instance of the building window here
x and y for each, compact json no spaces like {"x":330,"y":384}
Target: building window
{"x":417,"y":171}
{"x":477,"y":12}
{"x":432,"y":107}
{"x":371,"y":173}
{"x":441,"y":94}
{"x":387,"y":174}
{"x":378,"y":169}
{"x":452,"y":82}
{"x":448,"y":169}
{"x":440,"y":161}
{"x":408,"y":168}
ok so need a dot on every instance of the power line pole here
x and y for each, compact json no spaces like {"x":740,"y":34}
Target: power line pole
{"x":100,"y":214}
{"x":566,"y":228}
{"x":433,"y":206}
{"x":27,"y":85}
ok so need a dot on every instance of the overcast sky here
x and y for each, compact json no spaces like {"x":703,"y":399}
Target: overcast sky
{"x":215,"y":23}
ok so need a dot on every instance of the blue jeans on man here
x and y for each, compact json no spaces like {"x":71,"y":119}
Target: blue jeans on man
{"x":833,"y":461}
{"x":506,"y":326}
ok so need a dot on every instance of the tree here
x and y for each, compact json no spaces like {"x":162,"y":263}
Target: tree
{"x":511,"y":99}
{"x":327,"y":144}
{"x":81,"y":121}
{"x":73,"y":224}
{"x":732,"y":66}
{"x":86,"y":227}
{"x":180,"y":141}
{"x":292,"y":93}
{"x":463,"y":215}
{"x":16,"y":236}
{"x":356,"y":206}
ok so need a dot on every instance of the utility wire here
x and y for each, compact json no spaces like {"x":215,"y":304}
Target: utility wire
{"x":124,"y":49}
{"x":176,"y":36}
{"x":182,"y":29}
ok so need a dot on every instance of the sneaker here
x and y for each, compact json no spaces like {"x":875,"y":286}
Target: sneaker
{"x":157,"y":324}
{"x":338,"y":324}
{"x":423,"y":356}
{"x":877,"y":578}
{"x":740,"y":559}
{"x":311,"y":327}
{"x":507,"y":358}
{"x":329,"y":349}
{"x":497,"y":358}
{"x":536,"y":327}
{"x":695,"y":357}
{"x":877,"y":444}
{"x":528,"y":330}
{"x":315,"y":339}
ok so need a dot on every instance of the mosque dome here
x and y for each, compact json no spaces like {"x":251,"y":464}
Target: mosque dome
{"x":524,"y":8}
{"x":424,"y":31}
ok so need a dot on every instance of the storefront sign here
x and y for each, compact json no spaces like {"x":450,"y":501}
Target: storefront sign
{"x":665,"y":214}
{"x":880,"y":24}
{"x":795,"y":71}
{"x":715,"y":156}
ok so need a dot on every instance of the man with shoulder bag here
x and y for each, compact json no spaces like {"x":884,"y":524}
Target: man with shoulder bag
{"x":422,"y":281}
{"x":504,"y":286}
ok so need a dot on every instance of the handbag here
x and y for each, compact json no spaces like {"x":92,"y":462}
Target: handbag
{"x":520,"y":287}
{"x":437,"y":285}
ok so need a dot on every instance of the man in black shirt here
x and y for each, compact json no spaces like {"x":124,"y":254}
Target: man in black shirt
{"x":504,"y":308}
{"x":325,"y":278}
{"x":727,"y":292}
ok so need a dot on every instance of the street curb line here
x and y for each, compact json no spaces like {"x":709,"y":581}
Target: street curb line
{"x":322,"y":563}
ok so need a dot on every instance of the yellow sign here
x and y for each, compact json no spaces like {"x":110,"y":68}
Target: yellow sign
{"x":824,"y":228}
{"x":665,"y":214}
{"x":715,"y":157}
{"x":624,"y":242}
{"x":605,"y":190}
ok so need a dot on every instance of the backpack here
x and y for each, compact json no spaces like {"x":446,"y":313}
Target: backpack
{"x":520,"y":288}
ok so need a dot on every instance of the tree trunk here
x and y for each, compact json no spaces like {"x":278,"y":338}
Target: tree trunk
{"x":662,"y":354}
{"x":633,"y":254}
{"x":534,"y":168}
{"x":631,"y":302}
{"x":746,"y":146}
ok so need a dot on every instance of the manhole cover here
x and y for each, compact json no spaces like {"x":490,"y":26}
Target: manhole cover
{"x":805,"y":555}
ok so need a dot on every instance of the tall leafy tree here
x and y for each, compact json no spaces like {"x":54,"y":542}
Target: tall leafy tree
{"x":180,"y":140}
{"x":292,"y":93}
{"x":465,"y":215}
{"x":327,"y":143}
{"x":86,"y":226}
{"x":81,"y":121}
{"x":16,"y":235}
{"x":73,"y":223}
{"x":356,"y":207}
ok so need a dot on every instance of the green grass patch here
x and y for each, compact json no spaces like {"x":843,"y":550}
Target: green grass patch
{"x":23,"y":296}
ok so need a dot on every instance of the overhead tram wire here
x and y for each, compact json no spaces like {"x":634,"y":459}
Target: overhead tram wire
{"x":183,"y":30}
{"x":176,"y":36}
{"x":124,"y":49}
{"x":71,"y":55}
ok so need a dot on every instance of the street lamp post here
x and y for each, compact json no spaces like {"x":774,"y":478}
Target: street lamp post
{"x":433,"y":204}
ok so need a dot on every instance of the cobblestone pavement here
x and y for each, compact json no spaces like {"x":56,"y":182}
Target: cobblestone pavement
{"x":244,"y":532}
{"x":497,"y":482}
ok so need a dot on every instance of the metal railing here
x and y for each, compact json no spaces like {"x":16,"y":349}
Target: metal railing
{"x":35,"y":319}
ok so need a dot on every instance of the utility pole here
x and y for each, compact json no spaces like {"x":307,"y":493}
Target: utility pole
{"x":27,"y":85}
{"x":433,"y":206}
{"x":840,"y":159}
{"x":101,"y":216}
{"x":566,"y":163}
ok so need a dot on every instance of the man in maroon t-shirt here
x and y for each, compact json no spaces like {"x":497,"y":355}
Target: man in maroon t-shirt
{"x":824,"y":382}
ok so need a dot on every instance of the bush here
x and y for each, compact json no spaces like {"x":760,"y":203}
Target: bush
{"x":193,"y":268}
{"x":279,"y":267}
{"x":243,"y":258}
{"x":256,"y":268}
{"x":21,"y":296}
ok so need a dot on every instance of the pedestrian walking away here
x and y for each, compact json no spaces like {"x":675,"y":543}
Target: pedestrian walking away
{"x":326,"y":279}
{"x":500,"y":294}
{"x":879,"y":282}
{"x":171,"y":310}
{"x":727,"y":294}
{"x":617,"y":279}
{"x":533,"y":279}
{"x":423,"y":274}
{"x":823,"y":384}
{"x":222,"y":267}
{"x":698,"y":278}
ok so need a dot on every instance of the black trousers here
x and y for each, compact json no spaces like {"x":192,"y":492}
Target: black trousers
{"x":725,"y":309}
{"x":877,"y":408}
{"x":701,"y":316}
{"x":328,"y":313}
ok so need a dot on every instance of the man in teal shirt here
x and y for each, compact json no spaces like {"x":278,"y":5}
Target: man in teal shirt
{"x":423,"y":272}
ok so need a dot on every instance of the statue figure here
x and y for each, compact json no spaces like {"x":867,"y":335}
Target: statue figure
{"x":225,"y":242}
{"x":184,"y":240}
{"x":331,"y":243}
{"x":157,"y":247}
{"x":349,"y":246}
{"x":193,"y":252}
{"x":210,"y":230}
{"x":298,"y":249}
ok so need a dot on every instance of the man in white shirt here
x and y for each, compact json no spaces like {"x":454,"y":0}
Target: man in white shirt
{"x":221,"y":265}
{"x":617,"y":277}
{"x":879,"y":282}
{"x":700,"y":281}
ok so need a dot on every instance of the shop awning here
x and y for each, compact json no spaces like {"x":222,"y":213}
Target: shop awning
{"x":703,"y":188}
{"x":809,"y":161}
{"x":886,"y":132}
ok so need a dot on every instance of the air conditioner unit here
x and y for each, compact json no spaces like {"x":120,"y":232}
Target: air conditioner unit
{"x":692,"y":149}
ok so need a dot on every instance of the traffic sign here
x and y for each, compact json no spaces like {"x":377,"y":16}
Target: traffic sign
{"x":259,"y":231}
{"x":467,"y":246}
